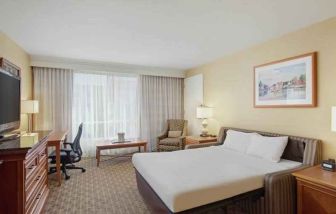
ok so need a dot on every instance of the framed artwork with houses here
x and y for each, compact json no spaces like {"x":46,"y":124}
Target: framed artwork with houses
{"x":286,"y":83}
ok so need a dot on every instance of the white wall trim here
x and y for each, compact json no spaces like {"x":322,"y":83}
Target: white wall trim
{"x":87,"y":65}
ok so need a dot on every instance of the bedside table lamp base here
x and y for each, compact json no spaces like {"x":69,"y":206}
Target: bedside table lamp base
{"x":204,"y":128}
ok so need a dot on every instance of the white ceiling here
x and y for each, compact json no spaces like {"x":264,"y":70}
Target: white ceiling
{"x":165,"y":33}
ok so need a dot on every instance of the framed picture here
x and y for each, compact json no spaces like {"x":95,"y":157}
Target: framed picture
{"x":286,"y":83}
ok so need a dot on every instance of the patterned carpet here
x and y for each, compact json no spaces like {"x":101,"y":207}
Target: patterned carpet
{"x":111,"y":188}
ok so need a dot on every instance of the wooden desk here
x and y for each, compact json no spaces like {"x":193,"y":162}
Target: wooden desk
{"x":56,"y":139}
{"x":199,"y":139}
{"x":111,"y":145}
{"x":316,"y":191}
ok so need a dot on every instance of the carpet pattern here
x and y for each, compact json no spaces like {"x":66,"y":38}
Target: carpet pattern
{"x":109,"y":188}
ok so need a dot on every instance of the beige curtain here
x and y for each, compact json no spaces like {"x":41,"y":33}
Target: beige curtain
{"x":53,"y":90}
{"x":161,"y":98}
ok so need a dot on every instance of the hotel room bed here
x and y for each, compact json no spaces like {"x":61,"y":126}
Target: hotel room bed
{"x":216,"y":180}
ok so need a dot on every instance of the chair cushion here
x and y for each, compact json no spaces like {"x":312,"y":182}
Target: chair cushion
{"x":170,"y":142}
{"x":174,"y":133}
{"x":164,"y":148}
{"x":64,"y":156}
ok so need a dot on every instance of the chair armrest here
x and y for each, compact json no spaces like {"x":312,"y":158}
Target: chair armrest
{"x":201,"y":145}
{"x":65,"y":144}
{"x":162,"y":136}
{"x":66,"y":150}
{"x":182,"y":140}
{"x":280,"y":191}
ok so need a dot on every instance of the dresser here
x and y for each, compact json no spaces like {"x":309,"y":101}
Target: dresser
{"x":316,"y":191}
{"x":23,"y":174}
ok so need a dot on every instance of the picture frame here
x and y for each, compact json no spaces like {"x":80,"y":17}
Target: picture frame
{"x":286,"y":83}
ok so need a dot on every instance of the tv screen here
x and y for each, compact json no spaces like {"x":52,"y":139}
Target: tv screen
{"x":10,"y":101}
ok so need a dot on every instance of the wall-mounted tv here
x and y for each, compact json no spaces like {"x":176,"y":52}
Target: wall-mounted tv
{"x":9,"y":101}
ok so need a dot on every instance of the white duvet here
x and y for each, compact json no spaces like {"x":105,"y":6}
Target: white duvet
{"x":191,"y":178}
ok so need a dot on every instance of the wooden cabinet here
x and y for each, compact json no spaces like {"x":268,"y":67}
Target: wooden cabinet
{"x":316,"y":191}
{"x":23,"y":176}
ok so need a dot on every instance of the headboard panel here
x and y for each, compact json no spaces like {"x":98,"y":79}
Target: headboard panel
{"x":301,"y":149}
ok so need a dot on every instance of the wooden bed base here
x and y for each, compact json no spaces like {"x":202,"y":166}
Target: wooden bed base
{"x":251,"y":202}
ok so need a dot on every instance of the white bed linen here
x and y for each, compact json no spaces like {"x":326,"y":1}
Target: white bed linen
{"x":191,"y":178}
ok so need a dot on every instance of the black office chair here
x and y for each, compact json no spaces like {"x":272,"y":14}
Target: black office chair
{"x":69,"y":156}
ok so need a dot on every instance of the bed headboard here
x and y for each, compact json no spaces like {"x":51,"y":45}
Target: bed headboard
{"x":301,"y":149}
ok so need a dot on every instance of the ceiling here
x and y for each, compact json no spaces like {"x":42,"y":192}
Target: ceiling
{"x":164,"y":33}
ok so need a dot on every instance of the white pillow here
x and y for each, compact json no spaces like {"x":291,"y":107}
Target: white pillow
{"x":238,"y":141}
{"x":269,"y":148}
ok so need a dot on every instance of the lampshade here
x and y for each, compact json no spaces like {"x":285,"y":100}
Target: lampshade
{"x":29,"y":106}
{"x":333,"y":119}
{"x":203,"y":112}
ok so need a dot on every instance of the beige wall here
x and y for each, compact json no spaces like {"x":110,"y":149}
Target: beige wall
{"x":228,"y":87}
{"x":15,"y":54}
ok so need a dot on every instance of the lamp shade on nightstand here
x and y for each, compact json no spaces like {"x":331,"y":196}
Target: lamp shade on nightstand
{"x":29,"y":106}
{"x":333,"y":119}
{"x":203,"y":112}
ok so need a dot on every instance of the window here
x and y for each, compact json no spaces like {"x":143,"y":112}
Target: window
{"x":107,"y":104}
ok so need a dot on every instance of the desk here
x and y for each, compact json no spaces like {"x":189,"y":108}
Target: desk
{"x":56,"y":139}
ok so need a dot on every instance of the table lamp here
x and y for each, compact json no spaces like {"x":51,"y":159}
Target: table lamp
{"x":29,"y":107}
{"x":333,"y":118}
{"x":204,"y":112}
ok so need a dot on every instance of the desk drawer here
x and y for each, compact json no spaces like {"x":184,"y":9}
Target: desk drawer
{"x":40,"y":200}
{"x":42,"y":155}
{"x":31,"y":165}
{"x":35,"y":179}
{"x":35,"y":192}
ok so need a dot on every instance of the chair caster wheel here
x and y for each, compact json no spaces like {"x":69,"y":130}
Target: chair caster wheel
{"x":83,"y":170}
{"x":67,"y":177}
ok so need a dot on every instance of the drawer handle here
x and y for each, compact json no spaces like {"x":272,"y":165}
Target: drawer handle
{"x":38,"y":178}
{"x":43,"y":154}
{"x":38,"y":196}
{"x":31,"y":167}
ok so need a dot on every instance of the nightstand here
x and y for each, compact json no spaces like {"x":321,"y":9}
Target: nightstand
{"x":199,"y":139}
{"x":316,"y":190}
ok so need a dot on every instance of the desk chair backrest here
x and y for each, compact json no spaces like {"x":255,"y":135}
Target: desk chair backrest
{"x":76,"y":143}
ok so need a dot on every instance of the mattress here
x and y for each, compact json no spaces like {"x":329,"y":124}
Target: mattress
{"x":190,"y":178}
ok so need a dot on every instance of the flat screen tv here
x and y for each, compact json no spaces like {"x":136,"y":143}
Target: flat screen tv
{"x":9,"y":101}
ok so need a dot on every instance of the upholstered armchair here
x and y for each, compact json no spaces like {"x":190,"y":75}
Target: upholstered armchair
{"x":173,"y":137}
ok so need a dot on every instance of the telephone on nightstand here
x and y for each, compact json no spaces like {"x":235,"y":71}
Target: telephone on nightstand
{"x":329,"y":165}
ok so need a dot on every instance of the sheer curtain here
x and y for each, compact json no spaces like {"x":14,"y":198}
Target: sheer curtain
{"x":53,"y":90}
{"x":106,"y":103}
{"x":161,"y":99}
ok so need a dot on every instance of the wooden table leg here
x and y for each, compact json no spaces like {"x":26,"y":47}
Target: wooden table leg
{"x":58,"y":163}
{"x":145,"y":148}
{"x":98,"y":156}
